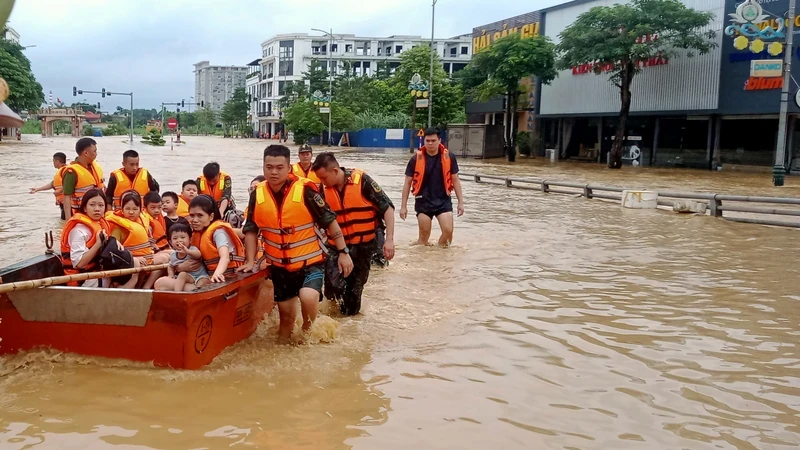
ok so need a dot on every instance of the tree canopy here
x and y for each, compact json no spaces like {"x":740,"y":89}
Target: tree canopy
{"x":499,"y":70}
{"x":26,"y":93}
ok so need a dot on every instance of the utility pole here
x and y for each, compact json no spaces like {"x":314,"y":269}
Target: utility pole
{"x":330,"y":79}
{"x":779,"y":169}
{"x":433,"y":50}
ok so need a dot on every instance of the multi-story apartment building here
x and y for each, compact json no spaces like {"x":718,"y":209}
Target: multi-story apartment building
{"x":214,"y":85}
{"x":285,"y":57}
{"x":11,"y":35}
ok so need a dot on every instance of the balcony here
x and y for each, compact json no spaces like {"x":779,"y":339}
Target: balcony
{"x":268,"y":114}
{"x":270,"y":75}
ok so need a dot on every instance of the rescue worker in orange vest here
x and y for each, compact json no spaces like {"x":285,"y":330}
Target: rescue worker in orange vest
{"x":288,"y":212}
{"x":59,"y":163}
{"x":189,"y":190}
{"x":129,"y":177}
{"x":81,"y":176}
{"x":303,"y":168}
{"x":431,"y":176}
{"x":360,"y":205}
{"x":217,"y":185}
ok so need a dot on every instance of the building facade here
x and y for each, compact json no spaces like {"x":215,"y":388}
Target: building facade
{"x":717,"y":110}
{"x":11,"y":35}
{"x":285,"y":57}
{"x":214,"y":85}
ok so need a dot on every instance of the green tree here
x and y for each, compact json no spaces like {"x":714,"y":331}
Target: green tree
{"x":293,"y":92}
{"x":234,"y":112}
{"x":26,"y":93}
{"x":85,"y":106}
{"x":616,"y":39}
{"x":502,"y":66}
{"x":342,"y":119}
{"x":448,"y":97}
{"x":304,"y":120}
{"x":206,"y":118}
{"x":315,"y":78}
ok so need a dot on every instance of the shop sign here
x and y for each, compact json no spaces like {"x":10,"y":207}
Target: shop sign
{"x":766,"y":68}
{"x":763,"y":84}
{"x":486,"y":39}
{"x":750,"y":27}
{"x":608,"y":67}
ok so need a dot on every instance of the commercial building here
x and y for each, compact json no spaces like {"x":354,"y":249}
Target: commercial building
{"x":285,"y":57}
{"x":708,"y":111}
{"x":214,"y":85}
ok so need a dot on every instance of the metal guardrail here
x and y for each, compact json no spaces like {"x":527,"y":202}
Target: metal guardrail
{"x":714,"y":201}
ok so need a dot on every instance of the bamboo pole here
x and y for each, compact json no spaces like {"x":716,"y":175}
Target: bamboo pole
{"x":50,"y":281}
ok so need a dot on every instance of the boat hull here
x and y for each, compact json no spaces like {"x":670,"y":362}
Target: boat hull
{"x":171,"y":329}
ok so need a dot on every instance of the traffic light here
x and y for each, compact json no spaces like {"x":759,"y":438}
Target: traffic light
{"x":179,"y":110}
{"x":74,"y":91}
{"x":103,"y":93}
{"x":98,"y":105}
{"x":181,"y":103}
{"x":80,"y":91}
{"x":202,"y":103}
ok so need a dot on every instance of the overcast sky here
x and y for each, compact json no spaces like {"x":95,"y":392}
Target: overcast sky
{"x":150,"y":46}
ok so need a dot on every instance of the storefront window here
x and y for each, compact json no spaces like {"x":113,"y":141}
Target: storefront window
{"x":682,"y":143}
{"x":749,"y":142}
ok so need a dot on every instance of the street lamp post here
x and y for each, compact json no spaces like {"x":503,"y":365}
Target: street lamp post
{"x":779,"y":169}
{"x":330,"y":77}
{"x":430,"y":88}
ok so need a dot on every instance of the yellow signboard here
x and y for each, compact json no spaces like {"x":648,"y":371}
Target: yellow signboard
{"x":485,"y":40}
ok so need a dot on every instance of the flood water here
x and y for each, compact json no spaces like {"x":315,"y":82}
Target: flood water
{"x":552,"y":323}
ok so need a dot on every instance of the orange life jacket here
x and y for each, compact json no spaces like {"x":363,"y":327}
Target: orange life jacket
{"x":85,"y":182}
{"x":138,"y":240}
{"x":58,"y":184}
{"x":209,"y":251}
{"x":357,"y":216}
{"x":297,"y":169}
{"x":139,"y":184}
{"x":291,"y":238}
{"x":158,"y":231}
{"x":183,"y":207}
{"x":419,"y":171}
{"x":96,"y":226}
{"x":215,"y":191}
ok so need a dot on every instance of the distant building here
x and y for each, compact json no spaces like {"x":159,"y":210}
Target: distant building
{"x":214,"y":85}
{"x":285,"y":57}
{"x":11,"y":34}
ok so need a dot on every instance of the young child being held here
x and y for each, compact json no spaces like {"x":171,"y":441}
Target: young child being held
{"x":180,"y":237}
{"x":169,"y":204}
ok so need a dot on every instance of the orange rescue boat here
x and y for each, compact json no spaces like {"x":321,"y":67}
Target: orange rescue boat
{"x":182,"y":330}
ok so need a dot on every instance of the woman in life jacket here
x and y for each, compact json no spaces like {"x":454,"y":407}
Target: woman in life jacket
{"x":83,"y":238}
{"x":221,"y":248}
{"x":131,"y":228}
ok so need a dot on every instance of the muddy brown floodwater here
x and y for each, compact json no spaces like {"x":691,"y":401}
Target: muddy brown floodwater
{"x":553,"y":322}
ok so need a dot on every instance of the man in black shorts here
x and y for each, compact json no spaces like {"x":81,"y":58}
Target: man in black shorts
{"x":431,"y":176}
{"x":287,"y":213}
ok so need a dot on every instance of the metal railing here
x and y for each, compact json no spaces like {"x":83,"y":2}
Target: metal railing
{"x":715,"y":206}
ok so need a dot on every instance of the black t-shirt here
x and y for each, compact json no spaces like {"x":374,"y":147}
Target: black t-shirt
{"x":433,"y":196}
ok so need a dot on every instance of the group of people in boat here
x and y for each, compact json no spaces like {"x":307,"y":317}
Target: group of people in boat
{"x":316,"y":225}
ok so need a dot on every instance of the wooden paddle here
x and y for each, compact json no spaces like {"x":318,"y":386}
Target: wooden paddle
{"x":50,"y":281}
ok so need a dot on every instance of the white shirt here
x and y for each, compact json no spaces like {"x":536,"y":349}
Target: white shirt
{"x":78,"y":238}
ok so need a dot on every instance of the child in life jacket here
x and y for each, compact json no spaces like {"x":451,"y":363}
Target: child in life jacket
{"x":180,"y":237}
